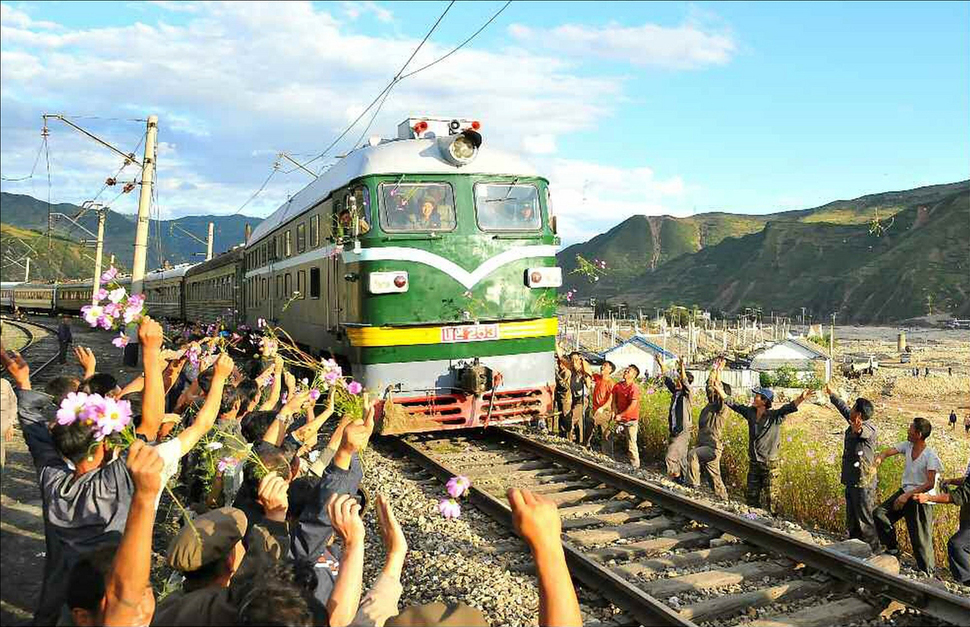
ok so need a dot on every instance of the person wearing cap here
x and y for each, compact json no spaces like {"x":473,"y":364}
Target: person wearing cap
{"x":217,"y":567}
{"x":678,"y":416}
{"x":858,"y":453}
{"x":764,"y":438}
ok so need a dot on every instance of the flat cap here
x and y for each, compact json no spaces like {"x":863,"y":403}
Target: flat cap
{"x":214,"y":536}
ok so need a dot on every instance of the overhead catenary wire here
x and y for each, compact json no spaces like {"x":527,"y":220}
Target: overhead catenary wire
{"x":40,"y":150}
{"x":389,"y":86}
{"x":276,"y":168}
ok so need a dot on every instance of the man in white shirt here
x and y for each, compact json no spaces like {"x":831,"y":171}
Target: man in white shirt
{"x":919,"y":476}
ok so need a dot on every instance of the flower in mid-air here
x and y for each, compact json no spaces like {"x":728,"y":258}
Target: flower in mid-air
{"x":449,"y":508}
{"x":121,"y":341}
{"x":354,"y":387}
{"x":457,"y":486}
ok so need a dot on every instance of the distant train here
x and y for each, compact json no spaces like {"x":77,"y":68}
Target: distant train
{"x":424,"y":264}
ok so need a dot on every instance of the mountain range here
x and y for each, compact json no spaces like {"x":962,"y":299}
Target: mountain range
{"x":878,"y":258}
{"x":167,"y":243}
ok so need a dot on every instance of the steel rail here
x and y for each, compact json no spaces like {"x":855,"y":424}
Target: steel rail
{"x":939,"y":603}
{"x":640,"y":605}
{"x":32,"y":340}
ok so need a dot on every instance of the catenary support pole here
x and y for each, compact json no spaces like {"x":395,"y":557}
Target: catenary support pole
{"x":141,"y":230}
{"x":98,"y":251}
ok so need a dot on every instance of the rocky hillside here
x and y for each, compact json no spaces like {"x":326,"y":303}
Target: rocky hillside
{"x":64,"y":259}
{"x":878,"y":258}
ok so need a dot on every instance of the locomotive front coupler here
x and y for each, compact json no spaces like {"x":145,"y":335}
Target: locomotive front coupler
{"x":474,"y":378}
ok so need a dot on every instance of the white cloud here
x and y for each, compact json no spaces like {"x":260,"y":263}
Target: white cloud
{"x":542,"y":144}
{"x":687,"y":46}
{"x":590,"y":198}
{"x":240,"y":81}
{"x":353,"y":10}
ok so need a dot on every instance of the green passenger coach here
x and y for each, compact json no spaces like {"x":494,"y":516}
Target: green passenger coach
{"x":426,"y":264}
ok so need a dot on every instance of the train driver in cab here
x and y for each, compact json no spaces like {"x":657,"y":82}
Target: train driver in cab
{"x":428,"y":218}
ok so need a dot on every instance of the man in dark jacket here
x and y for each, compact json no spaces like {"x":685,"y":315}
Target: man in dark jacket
{"x":710,"y":444}
{"x":64,"y":339}
{"x":678,"y":417}
{"x":958,"y":547}
{"x":858,"y":473}
{"x":764,"y":438}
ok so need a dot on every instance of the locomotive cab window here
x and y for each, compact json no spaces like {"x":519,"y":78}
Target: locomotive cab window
{"x":410,"y":207}
{"x":504,"y":207}
{"x":351,"y":214}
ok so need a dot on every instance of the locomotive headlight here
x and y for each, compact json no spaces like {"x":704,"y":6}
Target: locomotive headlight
{"x":387,"y":282}
{"x":462,"y":148}
{"x":543,"y":277}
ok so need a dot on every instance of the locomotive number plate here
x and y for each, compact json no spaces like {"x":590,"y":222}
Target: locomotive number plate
{"x":469,"y":333}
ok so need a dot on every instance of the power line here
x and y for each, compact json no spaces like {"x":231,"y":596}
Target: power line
{"x":461,"y":45}
{"x":384,"y":91}
{"x":31,"y":175}
{"x":276,"y":168}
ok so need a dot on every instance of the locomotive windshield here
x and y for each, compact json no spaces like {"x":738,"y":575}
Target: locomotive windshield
{"x":417,"y":207}
{"x":504,"y":207}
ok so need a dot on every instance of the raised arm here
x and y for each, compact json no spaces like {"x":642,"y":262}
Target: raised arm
{"x":837,"y":402}
{"x":276,"y":388}
{"x":128,"y":593}
{"x":89,"y":363}
{"x":276,"y":432}
{"x":207,"y":415}
{"x":342,"y":605}
{"x":153,"y":398}
{"x":536,"y":520}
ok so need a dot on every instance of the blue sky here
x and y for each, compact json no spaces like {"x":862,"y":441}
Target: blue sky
{"x":627,"y":107}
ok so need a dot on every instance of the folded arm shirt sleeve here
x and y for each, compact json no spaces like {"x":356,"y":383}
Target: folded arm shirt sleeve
{"x":33,"y":410}
{"x":313,"y":531}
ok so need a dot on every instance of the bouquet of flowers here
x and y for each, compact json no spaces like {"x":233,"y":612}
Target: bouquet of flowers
{"x":114,"y":308}
{"x":105,"y":415}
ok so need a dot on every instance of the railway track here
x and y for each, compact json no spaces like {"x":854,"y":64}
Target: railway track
{"x":666,"y":559}
{"x":42,"y":349}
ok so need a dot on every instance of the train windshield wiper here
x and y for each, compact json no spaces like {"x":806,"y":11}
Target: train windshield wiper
{"x":507,"y":194}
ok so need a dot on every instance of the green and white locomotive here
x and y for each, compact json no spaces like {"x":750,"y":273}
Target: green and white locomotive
{"x":426,"y":264}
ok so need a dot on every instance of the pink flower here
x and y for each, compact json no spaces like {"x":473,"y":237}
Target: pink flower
{"x":457,"y":486}
{"x":71,"y":408}
{"x":112,"y":310}
{"x":109,"y":274}
{"x":101,"y":294}
{"x":115,"y":416}
{"x":91,"y":314}
{"x":269,"y":380}
{"x":136,"y":301}
{"x":284,"y":397}
{"x":106,"y":322}
{"x":117,"y":295}
{"x":331,"y":377}
{"x":121,"y":341}
{"x":314,"y":395}
{"x":449,"y":508}
{"x":226,"y":463}
{"x":355,"y":387}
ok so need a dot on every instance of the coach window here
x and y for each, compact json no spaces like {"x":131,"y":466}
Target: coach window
{"x":314,"y":282}
{"x":279,"y":287}
{"x":300,"y":237}
{"x":301,"y":283}
{"x":315,"y":231}
{"x":288,"y":243}
{"x":287,"y":287}
{"x":265,"y":289}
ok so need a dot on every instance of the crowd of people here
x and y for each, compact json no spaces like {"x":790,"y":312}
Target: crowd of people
{"x":592,"y":405}
{"x":272,"y":531}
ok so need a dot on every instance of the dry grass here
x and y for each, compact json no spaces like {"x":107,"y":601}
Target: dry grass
{"x":811,"y":492}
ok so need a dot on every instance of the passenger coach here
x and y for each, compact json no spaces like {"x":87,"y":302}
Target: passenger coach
{"x":427,"y":264}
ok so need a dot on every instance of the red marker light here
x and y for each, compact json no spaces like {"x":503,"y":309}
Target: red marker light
{"x":420,"y":127}
{"x":476,"y":125}
{"x":537,"y":277}
{"x":400,"y":281}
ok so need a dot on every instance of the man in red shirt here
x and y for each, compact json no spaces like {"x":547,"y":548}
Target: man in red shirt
{"x":603,"y":401}
{"x":626,"y":412}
